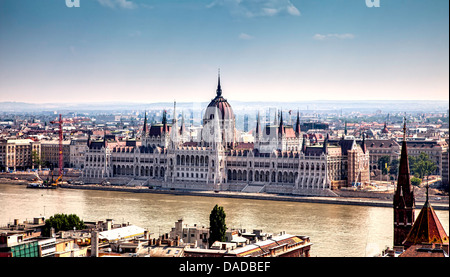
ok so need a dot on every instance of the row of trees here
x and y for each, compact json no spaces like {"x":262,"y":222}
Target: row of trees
{"x":420,"y":166}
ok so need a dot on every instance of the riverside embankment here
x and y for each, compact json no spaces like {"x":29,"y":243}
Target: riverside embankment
{"x":346,"y":197}
{"x":257,"y":196}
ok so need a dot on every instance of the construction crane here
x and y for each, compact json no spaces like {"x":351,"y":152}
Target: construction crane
{"x":60,"y":132}
{"x":60,"y":143}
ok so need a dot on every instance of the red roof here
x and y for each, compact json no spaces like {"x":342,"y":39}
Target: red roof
{"x":426,"y":229}
{"x":290,"y":132}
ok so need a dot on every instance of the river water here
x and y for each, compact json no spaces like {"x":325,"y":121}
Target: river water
{"x":334,"y":230}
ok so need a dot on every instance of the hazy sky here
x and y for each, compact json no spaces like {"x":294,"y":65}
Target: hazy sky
{"x":152,"y":51}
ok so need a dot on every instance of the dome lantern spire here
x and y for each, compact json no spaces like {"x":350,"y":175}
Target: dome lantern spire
{"x":219,"y":89}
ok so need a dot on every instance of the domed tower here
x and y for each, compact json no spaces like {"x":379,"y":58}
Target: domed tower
{"x":226,"y":119}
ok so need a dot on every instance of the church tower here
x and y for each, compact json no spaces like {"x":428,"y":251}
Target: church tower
{"x":404,"y":202}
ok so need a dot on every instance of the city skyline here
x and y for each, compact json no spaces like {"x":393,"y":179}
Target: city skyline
{"x":274,"y":50}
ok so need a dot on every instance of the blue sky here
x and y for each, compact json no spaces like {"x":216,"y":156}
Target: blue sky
{"x":283,"y":50}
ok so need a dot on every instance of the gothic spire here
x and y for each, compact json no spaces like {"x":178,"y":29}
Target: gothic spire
{"x":144,"y":129}
{"x":182,"y":127}
{"x":174,"y":119}
{"x":297,"y":125}
{"x":174,"y":133}
{"x":325,"y":144}
{"x":164,"y":122}
{"x":104,"y":137}
{"x":404,"y":182}
{"x":404,"y":202}
{"x":258,"y":127}
{"x":219,"y":88}
{"x":281,"y":126}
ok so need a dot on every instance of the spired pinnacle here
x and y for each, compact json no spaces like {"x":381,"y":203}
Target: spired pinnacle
{"x":219,"y":89}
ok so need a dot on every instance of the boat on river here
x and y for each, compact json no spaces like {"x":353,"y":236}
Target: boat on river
{"x":39,"y":185}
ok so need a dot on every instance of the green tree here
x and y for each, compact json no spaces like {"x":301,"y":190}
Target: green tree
{"x":422,"y":166}
{"x":217,"y":226}
{"x":416,"y":181}
{"x":62,"y":222}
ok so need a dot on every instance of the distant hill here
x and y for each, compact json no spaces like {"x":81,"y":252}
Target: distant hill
{"x":304,"y":106}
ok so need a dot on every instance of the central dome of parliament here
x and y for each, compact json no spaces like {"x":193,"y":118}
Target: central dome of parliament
{"x":224,"y":109}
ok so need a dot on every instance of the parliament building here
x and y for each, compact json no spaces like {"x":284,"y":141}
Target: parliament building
{"x":280,"y":160}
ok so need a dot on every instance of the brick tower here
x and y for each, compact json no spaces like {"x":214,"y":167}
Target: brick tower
{"x":404,"y":203}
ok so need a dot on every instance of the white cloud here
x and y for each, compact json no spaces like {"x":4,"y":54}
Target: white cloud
{"x":269,"y":11}
{"x":292,"y":10}
{"x":124,"y":4}
{"x":245,"y":36}
{"x":254,"y":8}
{"x":333,"y":36}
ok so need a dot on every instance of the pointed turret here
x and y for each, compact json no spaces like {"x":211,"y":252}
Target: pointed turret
{"x":219,"y":88}
{"x":164,"y":122}
{"x":145,"y":128}
{"x":258,"y":127}
{"x":174,"y":135}
{"x":325,"y":144}
{"x":281,"y":126}
{"x":182,"y":127}
{"x":297,"y":125}
{"x":404,"y":202}
{"x":174,"y":119}
{"x":104,"y":137}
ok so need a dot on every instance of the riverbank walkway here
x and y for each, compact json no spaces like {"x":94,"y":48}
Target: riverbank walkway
{"x":257,"y":196}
